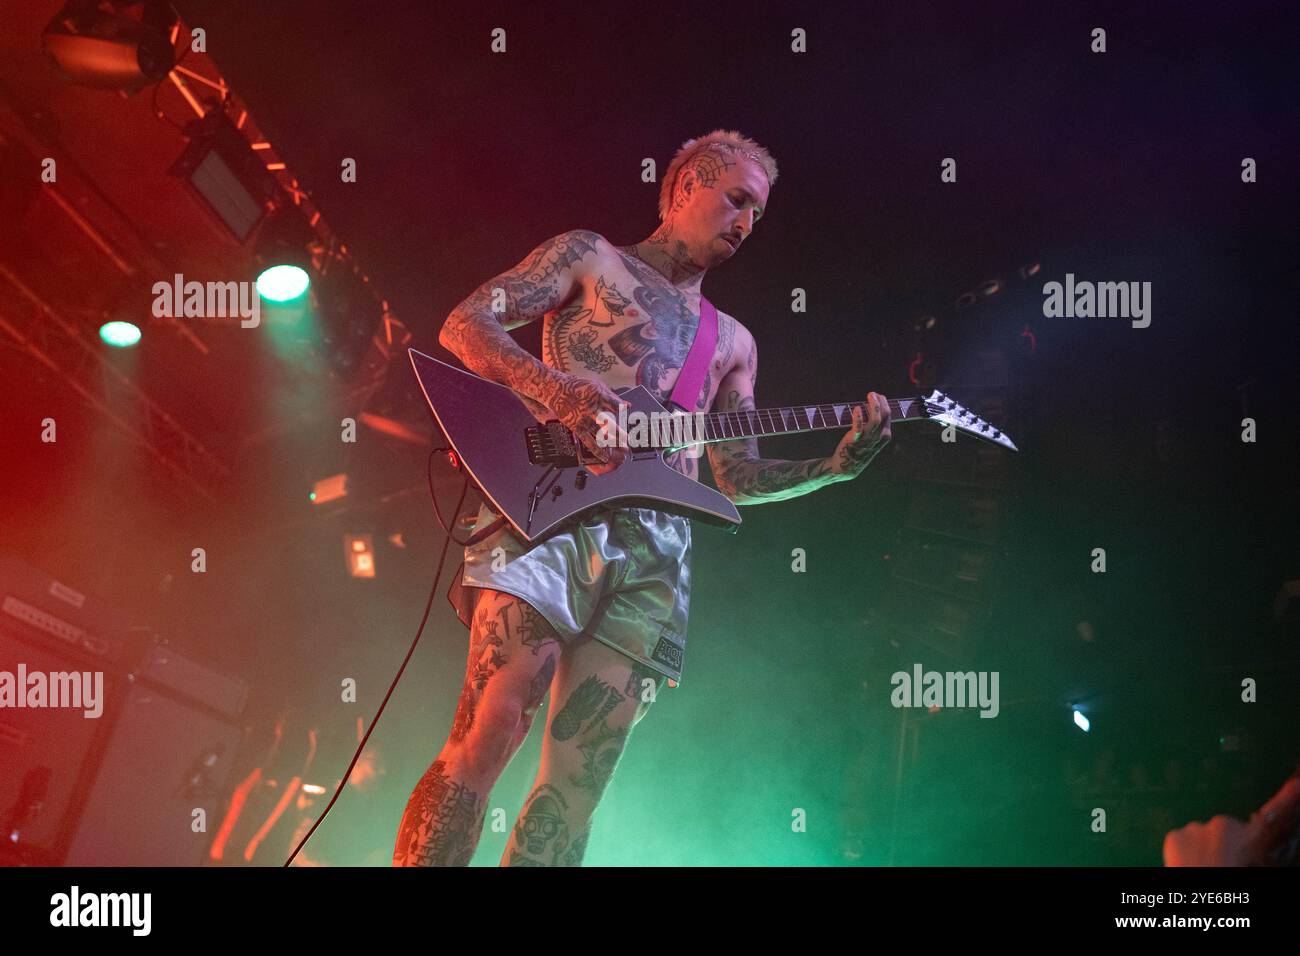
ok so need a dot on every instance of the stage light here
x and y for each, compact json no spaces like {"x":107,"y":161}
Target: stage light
{"x":328,"y":489}
{"x":393,"y":428}
{"x":282,"y":283}
{"x":360,"y":552}
{"x":1230,"y":742}
{"x":94,"y":46}
{"x":226,"y":174}
{"x":282,"y":256}
{"x":1081,"y":721}
{"x":120,"y":335}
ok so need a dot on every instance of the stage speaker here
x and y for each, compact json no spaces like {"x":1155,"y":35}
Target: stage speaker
{"x":121,"y":788}
{"x":47,"y":756}
{"x":167,"y":758}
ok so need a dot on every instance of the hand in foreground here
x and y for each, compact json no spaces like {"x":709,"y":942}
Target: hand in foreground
{"x":865,"y":439}
{"x":577,"y":403}
{"x":1226,"y":841}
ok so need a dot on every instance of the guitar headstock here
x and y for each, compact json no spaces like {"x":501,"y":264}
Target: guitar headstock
{"x":947,"y":411}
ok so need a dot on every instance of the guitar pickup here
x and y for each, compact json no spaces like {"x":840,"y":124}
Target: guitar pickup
{"x":551,"y":444}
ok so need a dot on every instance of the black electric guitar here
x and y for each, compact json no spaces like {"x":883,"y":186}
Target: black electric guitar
{"x":534,"y":473}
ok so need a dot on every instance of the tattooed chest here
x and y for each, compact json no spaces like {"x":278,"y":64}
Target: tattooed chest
{"x":622,"y":331}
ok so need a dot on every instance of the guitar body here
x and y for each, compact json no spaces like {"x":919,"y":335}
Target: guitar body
{"x":486,"y":425}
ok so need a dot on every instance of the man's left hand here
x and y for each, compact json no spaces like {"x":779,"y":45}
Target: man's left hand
{"x":869,"y":434}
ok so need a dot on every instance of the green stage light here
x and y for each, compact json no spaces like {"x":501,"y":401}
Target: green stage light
{"x":120,"y":335}
{"x":282,"y":283}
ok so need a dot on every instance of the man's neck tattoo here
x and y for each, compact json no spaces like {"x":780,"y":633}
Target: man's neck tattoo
{"x":667,"y":256}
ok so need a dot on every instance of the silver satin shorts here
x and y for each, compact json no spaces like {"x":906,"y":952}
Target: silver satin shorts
{"x":622,"y":575}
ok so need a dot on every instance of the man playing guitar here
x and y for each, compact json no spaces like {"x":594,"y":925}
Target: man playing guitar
{"x":597,"y":614}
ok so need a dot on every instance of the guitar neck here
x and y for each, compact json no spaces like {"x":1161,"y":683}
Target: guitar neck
{"x":784,"y":420}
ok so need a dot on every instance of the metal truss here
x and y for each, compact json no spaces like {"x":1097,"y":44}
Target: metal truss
{"x":62,"y":347}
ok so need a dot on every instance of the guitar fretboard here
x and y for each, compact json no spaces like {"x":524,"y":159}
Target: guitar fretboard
{"x":784,"y":420}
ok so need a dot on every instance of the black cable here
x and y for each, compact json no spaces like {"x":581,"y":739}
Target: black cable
{"x":347,"y":774}
{"x":428,"y":471}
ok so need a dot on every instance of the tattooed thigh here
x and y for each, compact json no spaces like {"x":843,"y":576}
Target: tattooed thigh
{"x":600,"y":695}
{"x":513,"y":654}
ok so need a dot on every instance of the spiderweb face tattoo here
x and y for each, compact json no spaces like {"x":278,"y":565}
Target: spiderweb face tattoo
{"x":709,"y":167}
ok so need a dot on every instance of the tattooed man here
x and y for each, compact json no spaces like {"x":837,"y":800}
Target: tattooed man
{"x":597,"y":614}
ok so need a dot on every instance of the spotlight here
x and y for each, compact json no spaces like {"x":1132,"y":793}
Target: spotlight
{"x":120,"y":335}
{"x":92,"y":44}
{"x":282,"y":256}
{"x":393,"y":428}
{"x":328,"y":489}
{"x":226,"y":174}
{"x":282,"y":283}
{"x":1081,"y":721}
{"x":360,"y":551}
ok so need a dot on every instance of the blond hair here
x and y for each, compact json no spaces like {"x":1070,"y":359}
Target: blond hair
{"x":727,"y":142}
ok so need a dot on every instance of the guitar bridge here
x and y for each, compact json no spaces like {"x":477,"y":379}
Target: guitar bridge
{"x":551,"y":444}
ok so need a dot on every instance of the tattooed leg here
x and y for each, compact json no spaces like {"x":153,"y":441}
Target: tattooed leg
{"x":512,"y":660}
{"x":545,"y":834}
{"x":599,"y":695}
{"x":442,"y":823}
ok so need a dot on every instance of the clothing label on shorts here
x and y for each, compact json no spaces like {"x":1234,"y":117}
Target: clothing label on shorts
{"x":669,"y":650}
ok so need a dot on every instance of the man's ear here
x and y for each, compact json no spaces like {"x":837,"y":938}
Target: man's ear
{"x":687,"y":182}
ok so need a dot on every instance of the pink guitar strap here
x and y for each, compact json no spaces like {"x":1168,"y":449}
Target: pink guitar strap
{"x":690,"y":381}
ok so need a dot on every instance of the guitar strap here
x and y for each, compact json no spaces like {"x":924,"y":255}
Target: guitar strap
{"x":695,"y":370}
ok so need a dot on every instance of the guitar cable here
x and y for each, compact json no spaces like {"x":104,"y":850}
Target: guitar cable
{"x":428,"y":606}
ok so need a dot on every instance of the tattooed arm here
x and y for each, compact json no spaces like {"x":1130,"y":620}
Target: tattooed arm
{"x":547,"y":278}
{"x":747,"y":479}
{"x":476,"y":332}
